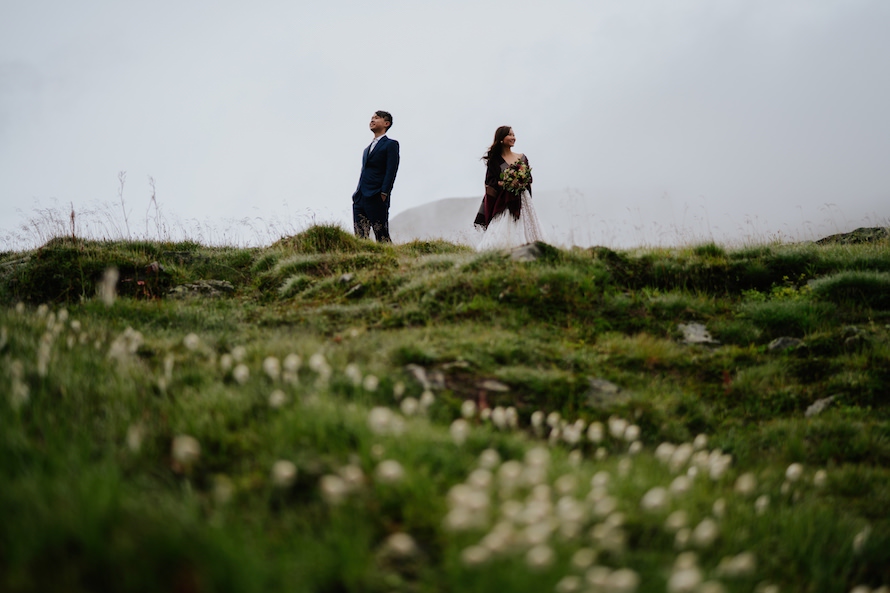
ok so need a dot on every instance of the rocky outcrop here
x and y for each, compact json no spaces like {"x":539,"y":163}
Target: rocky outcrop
{"x":860,"y":235}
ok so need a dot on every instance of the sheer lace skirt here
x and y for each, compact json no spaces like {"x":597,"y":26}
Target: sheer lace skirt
{"x":504,"y":232}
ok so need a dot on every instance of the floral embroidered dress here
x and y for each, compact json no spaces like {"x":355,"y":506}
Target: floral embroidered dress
{"x":508,"y":218}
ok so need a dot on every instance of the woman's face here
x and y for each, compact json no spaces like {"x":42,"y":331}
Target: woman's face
{"x":510,"y":138}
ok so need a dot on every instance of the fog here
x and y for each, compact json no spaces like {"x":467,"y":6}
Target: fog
{"x":727,"y":120}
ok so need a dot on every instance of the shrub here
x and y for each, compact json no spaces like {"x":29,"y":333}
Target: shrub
{"x":854,"y":288}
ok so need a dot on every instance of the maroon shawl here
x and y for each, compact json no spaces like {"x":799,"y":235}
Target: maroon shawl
{"x":497,"y":199}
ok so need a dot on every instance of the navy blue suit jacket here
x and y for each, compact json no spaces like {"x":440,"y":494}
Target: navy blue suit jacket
{"x":378,"y":169}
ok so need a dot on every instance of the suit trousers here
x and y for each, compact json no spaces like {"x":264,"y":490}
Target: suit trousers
{"x":371,"y":213}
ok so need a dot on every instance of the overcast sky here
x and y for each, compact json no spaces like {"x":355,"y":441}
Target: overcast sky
{"x":722,"y":111}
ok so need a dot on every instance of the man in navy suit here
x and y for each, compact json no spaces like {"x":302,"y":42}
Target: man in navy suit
{"x":380,"y":163}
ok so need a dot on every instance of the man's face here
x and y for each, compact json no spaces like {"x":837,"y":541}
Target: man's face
{"x":378,"y":124}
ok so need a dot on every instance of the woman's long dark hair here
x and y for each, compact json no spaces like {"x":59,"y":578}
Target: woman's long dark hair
{"x":497,"y":147}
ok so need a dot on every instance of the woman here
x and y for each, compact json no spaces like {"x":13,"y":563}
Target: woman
{"x":506,"y":213}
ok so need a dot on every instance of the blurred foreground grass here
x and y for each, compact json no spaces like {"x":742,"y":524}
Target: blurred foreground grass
{"x":357,"y":417}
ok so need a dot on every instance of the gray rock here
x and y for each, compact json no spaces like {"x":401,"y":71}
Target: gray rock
{"x":202,"y":288}
{"x":492,"y":385}
{"x":785,"y":343}
{"x":525,"y":253}
{"x":696,"y":333}
{"x":818,"y":406}
{"x":860,"y":235}
{"x":604,"y":394}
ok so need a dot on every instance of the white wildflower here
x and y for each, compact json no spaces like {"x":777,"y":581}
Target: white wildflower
{"x":192,"y":341}
{"x":740,"y":565}
{"x":459,"y":430}
{"x":241,"y":373}
{"x":655,"y":500}
{"x":794,"y":472}
{"x":676,"y":521}
{"x":480,"y":479}
{"x":761,"y":504}
{"x":370,"y":383}
{"x":700,"y":442}
{"x":623,"y":580}
{"x":238,"y":353}
{"x":820,"y":478}
{"x":108,"y":286}
{"x":475,"y":555}
{"x":719,"y":508}
{"x":680,"y":456}
{"x":409,"y":406}
{"x":685,"y":580}
{"x":617,"y":426}
{"x":380,"y":419}
{"x":681,"y":485}
{"x":277,"y":399}
{"x":499,"y":417}
{"x":427,"y":399}
{"x":539,"y":557}
{"x":566,"y":483}
{"x":595,"y":432}
{"x":860,"y":539}
{"x":135,"y":434}
{"x":468,"y":408}
{"x":600,"y":453}
{"x":664,"y":452}
{"x":489,"y":459}
{"x":185,"y":450}
{"x":632,"y":433}
{"x":537,"y":456}
{"x":597,"y":577}
{"x":353,"y":373}
{"x":512,"y":417}
{"x":223,"y":489}
{"x":568,"y":584}
{"x":400,"y":545}
{"x":352,"y":475}
{"x":553,"y":419}
{"x":705,"y":533}
{"x":272,"y":367}
{"x":333,"y":488}
{"x":292,"y":363}
{"x":398,"y":390}
{"x":284,"y":473}
{"x":225,"y":362}
{"x":583,"y":558}
{"x":746,"y":484}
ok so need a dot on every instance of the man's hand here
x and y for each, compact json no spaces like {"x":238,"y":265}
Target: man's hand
{"x":383,"y":196}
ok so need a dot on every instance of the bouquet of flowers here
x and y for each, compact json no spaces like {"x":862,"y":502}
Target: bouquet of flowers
{"x":516,"y":177}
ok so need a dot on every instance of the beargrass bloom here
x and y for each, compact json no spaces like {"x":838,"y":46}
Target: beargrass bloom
{"x":241,"y":373}
{"x":185,"y":450}
{"x":272,"y":367}
{"x":389,"y":471}
{"x":794,"y":472}
{"x":333,"y":489}
{"x":459,"y":430}
{"x":284,"y":473}
{"x":192,"y":341}
{"x":277,"y":399}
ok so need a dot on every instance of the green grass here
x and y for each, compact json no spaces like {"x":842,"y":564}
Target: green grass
{"x":337,"y":354}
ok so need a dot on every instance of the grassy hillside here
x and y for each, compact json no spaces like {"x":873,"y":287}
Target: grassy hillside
{"x":330,"y":414}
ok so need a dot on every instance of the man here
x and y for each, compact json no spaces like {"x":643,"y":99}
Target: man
{"x":380,"y":163}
